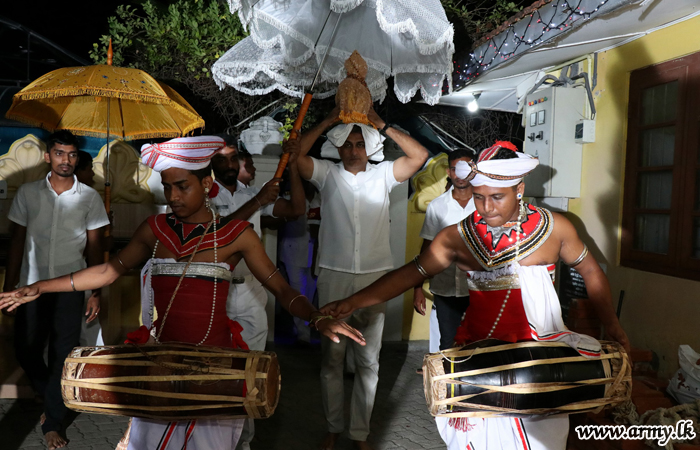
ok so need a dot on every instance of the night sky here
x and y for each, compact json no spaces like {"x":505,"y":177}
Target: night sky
{"x":73,"y":24}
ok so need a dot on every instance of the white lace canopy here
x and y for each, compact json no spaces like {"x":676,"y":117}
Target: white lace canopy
{"x":410,"y":40}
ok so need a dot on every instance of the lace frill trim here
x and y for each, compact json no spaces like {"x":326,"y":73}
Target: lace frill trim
{"x":445,"y":41}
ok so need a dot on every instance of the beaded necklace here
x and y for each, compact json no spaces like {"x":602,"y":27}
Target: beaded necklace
{"x":184,"y":272}
{"x":517,"y":250}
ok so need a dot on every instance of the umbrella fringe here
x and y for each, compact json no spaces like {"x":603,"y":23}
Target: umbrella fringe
{"x":132,"y":137}
{"x":27,"y":121}
{"x":96,"y":134}
{"x":95,"y":92}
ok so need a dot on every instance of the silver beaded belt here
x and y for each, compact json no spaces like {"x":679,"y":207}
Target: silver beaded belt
{"x":195,"y":270}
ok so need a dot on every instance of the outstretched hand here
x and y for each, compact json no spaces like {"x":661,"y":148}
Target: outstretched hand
{"x":11,"y":300}
{"x":340,"y":309}
{"x":331,"y":328}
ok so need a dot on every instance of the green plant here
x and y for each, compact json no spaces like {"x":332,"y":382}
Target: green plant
{"x":478,"y":17}
{"x":180,"y":43}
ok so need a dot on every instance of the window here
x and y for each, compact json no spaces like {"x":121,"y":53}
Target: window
{"x":661,"y":209}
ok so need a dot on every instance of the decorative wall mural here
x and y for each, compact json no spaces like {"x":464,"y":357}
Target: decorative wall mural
{"x":128,"y":176}
{"x":23,"y":163}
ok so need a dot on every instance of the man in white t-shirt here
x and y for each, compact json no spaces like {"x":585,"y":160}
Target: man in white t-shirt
{"x":246,"y":301}
{"x":52,"y":221}
{"x":354,"y":251}
{"x":449,"y":288}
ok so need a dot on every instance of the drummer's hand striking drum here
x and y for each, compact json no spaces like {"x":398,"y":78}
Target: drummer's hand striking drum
{"x":493,"y":378}
{"x":171,"y":382}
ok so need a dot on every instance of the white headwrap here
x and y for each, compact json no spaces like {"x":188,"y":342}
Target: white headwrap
{"x":338,"y":135}
{"x":189,"y":153}
{"x":496,"y":172}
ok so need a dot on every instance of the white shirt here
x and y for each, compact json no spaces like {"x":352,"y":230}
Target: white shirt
{"x":442,"y":212}
{"x":56,"y":227}
{"x":354,"y":234}
{"x":226,"y":203}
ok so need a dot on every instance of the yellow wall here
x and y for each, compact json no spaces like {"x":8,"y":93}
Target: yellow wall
{"x":659,"y":312}
{"x":427,"y":184}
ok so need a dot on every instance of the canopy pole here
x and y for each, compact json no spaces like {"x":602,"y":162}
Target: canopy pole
{"x":108,"y":186}
{"x":307,"y":96}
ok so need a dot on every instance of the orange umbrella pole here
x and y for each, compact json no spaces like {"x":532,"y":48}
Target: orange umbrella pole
{"x":108,"y":187}
{"x":293,"y":135}
{"x":307,"y":97}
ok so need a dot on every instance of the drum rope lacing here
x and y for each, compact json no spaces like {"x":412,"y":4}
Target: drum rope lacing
{"x":521,"y":213}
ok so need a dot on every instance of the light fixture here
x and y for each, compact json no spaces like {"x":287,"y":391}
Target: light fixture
{"x":473,"y":106}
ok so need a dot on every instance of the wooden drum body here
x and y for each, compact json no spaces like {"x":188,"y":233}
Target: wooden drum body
{"x":171,"y":382}
{"x":493,"y":378}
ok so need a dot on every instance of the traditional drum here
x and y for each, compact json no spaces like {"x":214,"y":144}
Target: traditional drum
{"x":171,"y":382}
{"x":492,"y":378}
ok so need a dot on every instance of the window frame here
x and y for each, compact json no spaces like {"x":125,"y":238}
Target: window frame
{"x":678,"y":262}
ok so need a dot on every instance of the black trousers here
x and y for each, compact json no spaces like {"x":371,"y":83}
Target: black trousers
{"x":449,"y":315}
{"x":53,"y":318}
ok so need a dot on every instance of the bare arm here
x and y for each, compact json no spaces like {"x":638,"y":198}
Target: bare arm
{"x":295,"y":303}
{"x":416,"y":155}
{"x":93,"y":248}
{"x":418,"y":295}
{"x":305,"y":162}
{"x":596,"y":282}
{"x":18,"y":234}
{"x":268,"y":194}
{"x":296,"y":206}
{"x":95,"y":277}
{"x":436,"y":258}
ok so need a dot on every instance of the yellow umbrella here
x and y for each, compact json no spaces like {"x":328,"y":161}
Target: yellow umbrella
{"x":77,"y":99}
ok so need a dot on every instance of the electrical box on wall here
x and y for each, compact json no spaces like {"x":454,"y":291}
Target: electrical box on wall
{"x":551,"y":117}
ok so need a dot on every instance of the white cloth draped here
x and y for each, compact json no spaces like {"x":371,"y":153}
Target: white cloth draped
{"x":374,"y":142}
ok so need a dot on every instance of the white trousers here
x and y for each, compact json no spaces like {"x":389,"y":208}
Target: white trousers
{"x":201,"y":434}
{"x":333,"y":285}
{"x":434,"y":336}
{"x":246,"y":305}
{"x":507,"y":433}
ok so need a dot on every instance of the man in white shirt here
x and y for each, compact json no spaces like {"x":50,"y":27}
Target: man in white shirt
{"x":53,"y":220}
{"x":449,"y":288}
{"x":354,"y":251}
{"x":246,"y":301}
{"x":246,"y":174}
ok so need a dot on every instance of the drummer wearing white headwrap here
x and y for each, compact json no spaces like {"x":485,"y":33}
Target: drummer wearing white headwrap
{"x":198,"y":313}
{"x":191,"y":153}
{"x":354,"y":249}
{"x":517,"y":244}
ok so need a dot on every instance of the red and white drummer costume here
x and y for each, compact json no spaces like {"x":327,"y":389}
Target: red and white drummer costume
{"x":198,"y":311}
{"x":510,"y":302}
